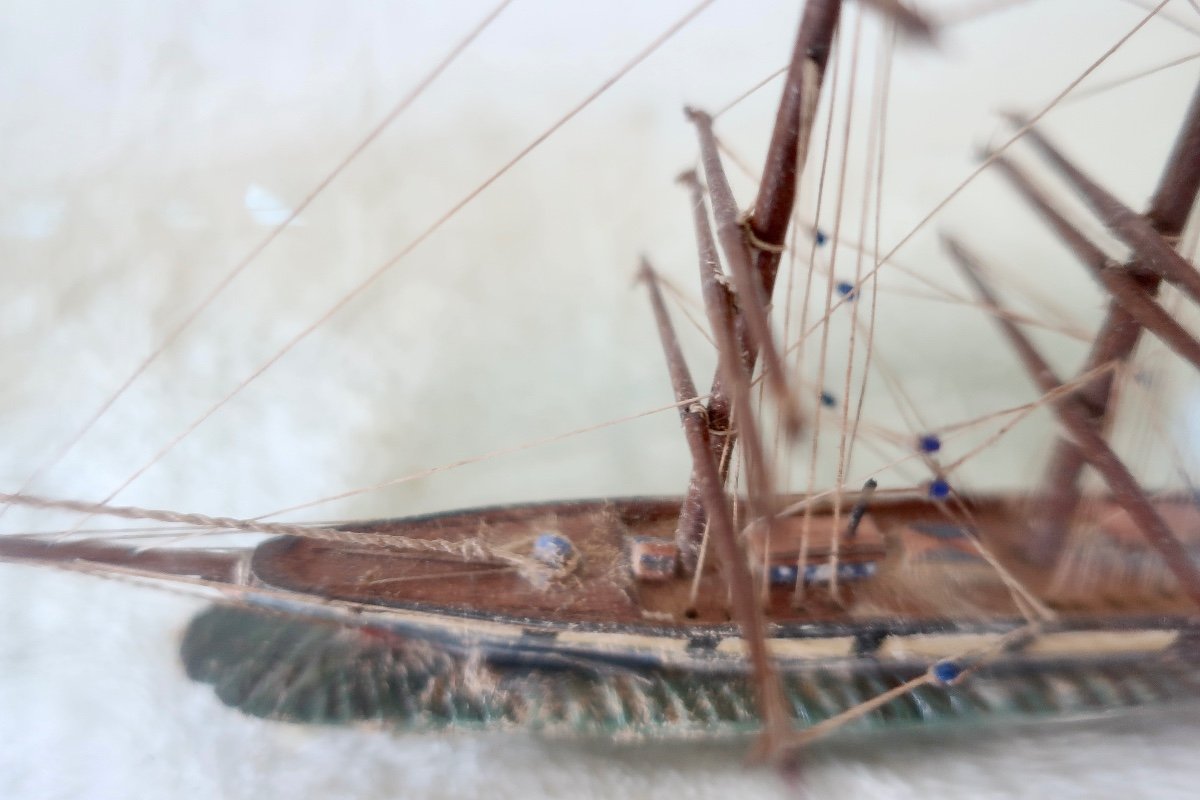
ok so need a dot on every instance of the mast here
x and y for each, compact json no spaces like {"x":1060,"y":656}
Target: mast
{"x":1088,"y":440}
{"x":1116,"y":340}
{"x":768,"y":689}
{"x":767,"y":230}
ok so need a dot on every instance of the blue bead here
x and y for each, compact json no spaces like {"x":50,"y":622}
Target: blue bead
{"x":828,"y":400}
{"x":820,"y":237}
{"x":939,"y":489}
{"x":929,"y":443}
{"x":552,"y":549}
{"x":782,"y":574}
{"x":846,"y":290}
{"x":947,"y":671}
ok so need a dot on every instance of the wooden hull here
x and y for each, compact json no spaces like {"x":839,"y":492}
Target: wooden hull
{"x":301,"y":670}
{"x":486,"y":652}
{"x":307,"y":632}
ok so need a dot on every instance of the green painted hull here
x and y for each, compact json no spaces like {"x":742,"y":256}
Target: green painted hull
{"x":282,"y":667}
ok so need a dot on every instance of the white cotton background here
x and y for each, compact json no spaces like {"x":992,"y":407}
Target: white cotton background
{"x":147,"y":148}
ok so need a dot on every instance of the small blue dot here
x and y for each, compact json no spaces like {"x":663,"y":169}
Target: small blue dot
{"x":939,"y":489}
{"x":782,"y":574}
{"x":929,"y":443}
{"x":820,"y":237}
{"x":846,"y":290}
{"x":946,"y":671}
{"x":828,"y":400}
{"x":552,"y":549}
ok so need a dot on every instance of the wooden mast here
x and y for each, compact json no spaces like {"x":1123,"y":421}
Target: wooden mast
{"x":749,"y":615}
{"x":1075,"y":419}
{"x":769,"y":222}
{"x":1127,"y":286}
{"x":1116,"y":340}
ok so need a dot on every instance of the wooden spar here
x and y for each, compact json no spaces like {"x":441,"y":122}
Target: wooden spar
{"x":777,"y":194}
{"x":752,"y":304}
{"x":768,"y":689}
{"x":213,"y":565}
{"x":718,"y":303}
{"x":791,"y":134}
{"x":1175,"y":195}
{"x":714,"y":289}
{"x":732,"y":373}
{"x":1079,"y":425}
{"x":1116,"y":340}
{"x":1125,"y":284}
{"x":1152,"y":250}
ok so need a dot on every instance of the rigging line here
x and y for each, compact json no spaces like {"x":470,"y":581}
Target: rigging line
{"x":849,"y":430}
{"x":1018,"y":416}
{"x":1078,"y":334}
{"x":1167,"y":16}
{"x":765,"y":585}
{"x":1100,"y":88}
{"x":840,"y":473}
{"x":882,"y":432}
{"x":1066,"y":314}
{"x":106,"y":534}
{"x":974,"y":658}
{"x":1070,"y":329}
{"x":1021,"y":595}
{"x":1020,"y":413}
{"x":1155,"y":421}
{"x":155,"y":532}
{"x":949,"y":432}
{"x":940,"y":292}
{"x":793,"y":250}
{"x":1024,"y":599}
{"x":952,"y":432}
{"x":883,"y":96}
{"x":462,"y":573}
{"x":468,"y":549}
{"x":1069,"y":324}
{"x":826,"y":150}
{"x":909,"y":412}
{"x":1129,"y":382}
{"x":790,"y":243}
{"x":1014,"y":138}
{"x":806,"y":522}
{"x":1070,"y":386}
{"x":686,"y":306}
{"x":263,"y":244}
{"x":752,"y":90}
{"x":1135,"y":431}
{"x":757,"y":87}
{"x":503,"y":451}
{"x":347,"y":612}
{"x":788,"y":294}
{"x":809,"y":501}
{"x":432,"y":228}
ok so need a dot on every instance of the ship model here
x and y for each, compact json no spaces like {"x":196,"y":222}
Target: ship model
{"x":738,"y":608}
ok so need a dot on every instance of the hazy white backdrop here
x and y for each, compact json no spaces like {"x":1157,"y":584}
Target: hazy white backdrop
{"x":148,"y":147}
